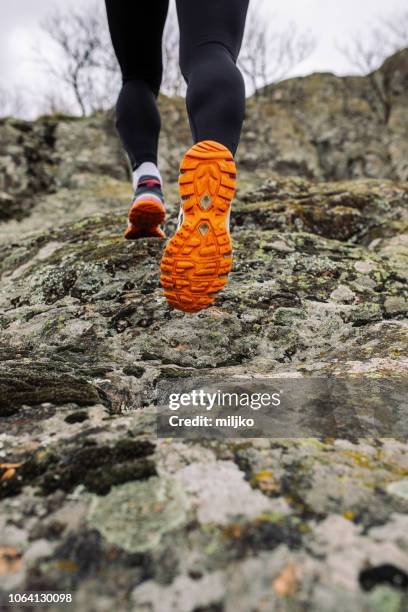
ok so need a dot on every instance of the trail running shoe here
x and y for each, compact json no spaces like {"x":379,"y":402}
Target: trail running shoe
{"x":147,"y":212}
{"x":198,"y":258}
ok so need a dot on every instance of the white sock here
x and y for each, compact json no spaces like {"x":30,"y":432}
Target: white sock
{"x":146,"y":169}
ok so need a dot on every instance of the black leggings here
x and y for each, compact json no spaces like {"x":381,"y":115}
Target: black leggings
{"x":211,"y":34}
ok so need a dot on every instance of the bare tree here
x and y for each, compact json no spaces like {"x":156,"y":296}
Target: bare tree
{"x":367,"y":53}
{"x":85,"y":63}
{"x":396,"y":31}
{"x":52,"y":102}
{"x":12,"y":103}
{"x":84,"y":60}
{"x":85,"y":66}
{"x":268,"y":55}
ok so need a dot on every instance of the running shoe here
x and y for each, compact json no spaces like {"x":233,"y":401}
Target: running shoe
{"x":147,"y":212}
{"x":198,"y":258}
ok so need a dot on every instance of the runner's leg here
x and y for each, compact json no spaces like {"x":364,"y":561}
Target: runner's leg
{"x":136,"y":30}
{"x":210,"y":41}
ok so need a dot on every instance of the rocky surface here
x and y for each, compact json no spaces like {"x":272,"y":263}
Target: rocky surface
{"x":91,"y":502}
{"x":319,"y":127}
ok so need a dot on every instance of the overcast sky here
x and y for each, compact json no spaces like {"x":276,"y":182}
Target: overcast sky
{"x":332,"y":21}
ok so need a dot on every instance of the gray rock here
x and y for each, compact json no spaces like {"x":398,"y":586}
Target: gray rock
{"x":91,"y":501}
{"x":399,"y":488}
{"x":135,"y":516}
{"x":343,"y":294}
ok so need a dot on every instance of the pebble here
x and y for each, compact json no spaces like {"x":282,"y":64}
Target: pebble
{"x":37,"y":550}
{"x":399,"y":488}
{"x":343,"y":295}
{"x":395,"y":305}
{"x":281,"y":247}
{"x":364,"y":267}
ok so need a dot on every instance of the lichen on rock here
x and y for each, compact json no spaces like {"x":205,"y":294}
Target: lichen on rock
{"x":90,"y":500}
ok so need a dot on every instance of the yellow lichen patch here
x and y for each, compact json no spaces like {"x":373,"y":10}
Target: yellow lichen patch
{"x":317,"y":444}
{"x":233,"y":532}
{"x":286,"y":584}
{"x":270,"y":517}
{"x":67,"y":565}
{"x":9,"y":470}
{"x":265,"y":481}
{"x":304,"y":528}
{"x":358,"y":458}
{"x":10,"y":560}
{"x":266,"y":474}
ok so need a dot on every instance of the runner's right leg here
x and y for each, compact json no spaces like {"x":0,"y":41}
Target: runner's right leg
{"x":198,"y":258}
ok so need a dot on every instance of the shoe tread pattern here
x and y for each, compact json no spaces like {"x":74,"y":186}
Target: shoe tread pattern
{"x":145,"y":218}
{"x":198,"y":258}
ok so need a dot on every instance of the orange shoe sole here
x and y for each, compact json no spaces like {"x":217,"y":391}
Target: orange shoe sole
{"x":198,"y":258}
{"x":145,"y":217}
